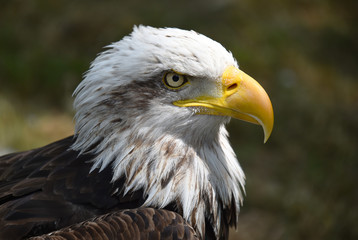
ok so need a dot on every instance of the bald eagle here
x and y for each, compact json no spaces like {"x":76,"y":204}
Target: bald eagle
{"x":150,"y":155}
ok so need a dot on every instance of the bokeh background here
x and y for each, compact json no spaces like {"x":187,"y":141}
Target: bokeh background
{"x":302,"y":184}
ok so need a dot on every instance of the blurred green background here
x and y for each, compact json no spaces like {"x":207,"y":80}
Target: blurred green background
{"x":302,"y":184}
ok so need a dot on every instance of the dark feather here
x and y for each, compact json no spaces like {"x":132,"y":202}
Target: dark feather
{"x":49,"y":188}
{"x":140,"y":223}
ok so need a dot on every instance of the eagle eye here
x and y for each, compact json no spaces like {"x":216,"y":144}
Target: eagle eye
{"x":174,"y":80}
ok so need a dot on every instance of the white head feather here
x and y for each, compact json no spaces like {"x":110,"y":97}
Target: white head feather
{"x":125,"y":111}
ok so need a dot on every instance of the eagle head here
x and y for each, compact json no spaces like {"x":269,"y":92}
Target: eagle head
{"x":153,"y":107}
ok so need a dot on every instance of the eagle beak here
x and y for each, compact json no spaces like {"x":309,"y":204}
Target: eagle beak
{"x":242,"y":98}
{"x":245,"y":99}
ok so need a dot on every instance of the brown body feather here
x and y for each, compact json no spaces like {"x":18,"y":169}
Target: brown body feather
{"x":140,"y":223}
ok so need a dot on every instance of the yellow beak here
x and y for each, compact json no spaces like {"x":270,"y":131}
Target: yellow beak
{"x":242,"y":98}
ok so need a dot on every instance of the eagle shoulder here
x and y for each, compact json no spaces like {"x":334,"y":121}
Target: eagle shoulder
{"x":48,"y":188}
{"x":139,"y":223}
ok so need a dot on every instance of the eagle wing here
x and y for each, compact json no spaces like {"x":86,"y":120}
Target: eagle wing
{"x":41,"y":190}
{"x":139,"y":223}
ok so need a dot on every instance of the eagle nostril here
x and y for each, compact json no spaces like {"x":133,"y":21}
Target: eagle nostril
{"x":232,"y":87}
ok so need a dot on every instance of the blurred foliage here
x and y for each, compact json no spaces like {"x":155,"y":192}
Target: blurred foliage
{"x":302,"y":183}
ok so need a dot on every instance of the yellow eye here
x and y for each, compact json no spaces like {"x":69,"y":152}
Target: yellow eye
{"x":174,"y":80}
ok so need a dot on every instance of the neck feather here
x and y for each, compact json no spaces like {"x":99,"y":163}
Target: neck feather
{"x":202,"y":178}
